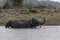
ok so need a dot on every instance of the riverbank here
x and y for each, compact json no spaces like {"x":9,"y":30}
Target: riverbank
{"x":52,"y":15}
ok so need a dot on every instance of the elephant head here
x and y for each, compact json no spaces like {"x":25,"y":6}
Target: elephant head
{"x":41,"y":23}
{"x":35,"y":22}
{"x":9,"y":23}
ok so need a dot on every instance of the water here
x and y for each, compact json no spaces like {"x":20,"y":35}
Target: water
{"x":44,"y":33}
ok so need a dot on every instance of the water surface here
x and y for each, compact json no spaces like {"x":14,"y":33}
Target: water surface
{"x":44,"y":33}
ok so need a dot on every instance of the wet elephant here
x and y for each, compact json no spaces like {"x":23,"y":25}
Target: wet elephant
{"x":24,"y":23}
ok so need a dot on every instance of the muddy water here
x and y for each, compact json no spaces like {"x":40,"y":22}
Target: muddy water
{"x":44,"y":33}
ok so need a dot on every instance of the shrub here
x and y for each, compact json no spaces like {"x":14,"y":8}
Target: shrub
{"x":17,"y":2}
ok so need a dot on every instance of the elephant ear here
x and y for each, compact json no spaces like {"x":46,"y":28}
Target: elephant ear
{"x":33,"y":21}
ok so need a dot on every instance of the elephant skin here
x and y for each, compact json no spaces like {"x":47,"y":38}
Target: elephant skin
{"x":23,"y":23}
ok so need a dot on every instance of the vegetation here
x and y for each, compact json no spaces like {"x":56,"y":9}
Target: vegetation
{"x":13,"y":14}
{"x":52,"y":15}
{"x":17,"y":2}
{"x":6,"y":5}
{"x":28,"y":5}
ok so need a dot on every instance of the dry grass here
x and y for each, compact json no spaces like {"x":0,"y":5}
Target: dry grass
{"x":52,"y":16}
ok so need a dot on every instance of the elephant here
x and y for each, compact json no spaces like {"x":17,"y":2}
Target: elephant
{"x":24,"y":23}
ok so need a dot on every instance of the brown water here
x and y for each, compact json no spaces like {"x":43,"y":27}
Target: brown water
{"x":44,"y":33}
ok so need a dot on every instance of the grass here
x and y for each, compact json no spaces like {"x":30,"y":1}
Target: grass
{"x":51,"y":19}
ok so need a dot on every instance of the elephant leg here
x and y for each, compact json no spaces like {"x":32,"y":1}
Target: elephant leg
{"x":6,"y":27}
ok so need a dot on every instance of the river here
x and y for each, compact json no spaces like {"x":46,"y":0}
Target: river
{"x":44,"y":33}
